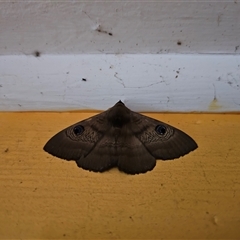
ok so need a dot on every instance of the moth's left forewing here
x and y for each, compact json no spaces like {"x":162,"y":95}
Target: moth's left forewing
{"x":79,"y":139}
{"x":160,"y":139}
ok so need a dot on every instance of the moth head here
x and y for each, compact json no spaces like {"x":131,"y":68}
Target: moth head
{"x":119,"y":115}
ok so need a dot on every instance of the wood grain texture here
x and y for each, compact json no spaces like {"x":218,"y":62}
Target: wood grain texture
{"x":197,"y":196}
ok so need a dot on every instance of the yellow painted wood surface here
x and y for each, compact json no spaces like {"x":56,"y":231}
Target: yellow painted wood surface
{"x":43,"y":197}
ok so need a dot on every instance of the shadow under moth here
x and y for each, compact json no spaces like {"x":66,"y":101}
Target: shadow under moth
{"x":119,"y":138}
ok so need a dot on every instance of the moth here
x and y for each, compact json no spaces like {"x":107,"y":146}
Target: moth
{"x":120,"y":138}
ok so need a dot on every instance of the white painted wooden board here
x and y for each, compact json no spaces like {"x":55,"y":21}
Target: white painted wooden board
{"x":147,"y":82}
{"x":76,"y":27}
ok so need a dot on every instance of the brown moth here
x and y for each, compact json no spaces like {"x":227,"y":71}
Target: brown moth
{"x":119,"y":138}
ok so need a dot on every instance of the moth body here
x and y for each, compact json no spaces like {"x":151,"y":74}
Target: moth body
{"x":120,"y":138}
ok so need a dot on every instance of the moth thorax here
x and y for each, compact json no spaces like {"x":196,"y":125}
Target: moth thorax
{"x":119,"y":121}
{"x":119,"y":116}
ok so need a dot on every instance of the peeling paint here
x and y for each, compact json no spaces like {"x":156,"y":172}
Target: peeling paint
{"x":148,"y":86}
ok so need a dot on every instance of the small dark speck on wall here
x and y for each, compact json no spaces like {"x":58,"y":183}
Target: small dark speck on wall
{"x":6,"y":150}
{"x":37,"y":54}
{"x":179,"y":43}
{"x":84,"y":79}
{"x":99,"y":29}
